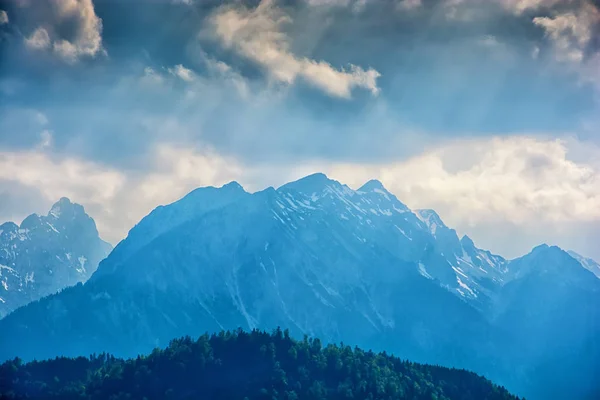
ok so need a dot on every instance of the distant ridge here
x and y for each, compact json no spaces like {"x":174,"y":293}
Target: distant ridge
{"x":47,"y":253}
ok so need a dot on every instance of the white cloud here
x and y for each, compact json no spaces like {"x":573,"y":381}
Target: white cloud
{"x":3,"y":17}
{"x":538,"y":190}
{"x":79,"y":16}
{"x":570,"y":32}
{"x":82,"y":181}
{"x":519,"y":179}
{"x":461,"y":10}
{"x":39,"y":40}
{"x":509,"y":194}
{"x":40,"y":118}
{"x":45,"y":138}
{"x":183,"y":73}
{"x":329,"y":3}
{"x":178,"y":170}
{"x":223,"y":71}
{"x":520,"y":6}
{"x":115,"y":199}
{"x":219,"y":76}
{"x":359,"y":5}
{"x":410,"y":4}
{"x":257,"y":34}
{"x":151,"y":77}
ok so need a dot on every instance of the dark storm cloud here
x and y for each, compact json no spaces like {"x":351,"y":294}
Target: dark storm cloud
{"x":446,"y":73}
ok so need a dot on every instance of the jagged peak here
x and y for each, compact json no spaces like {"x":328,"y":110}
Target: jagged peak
{"x":30,"y":221}
{"x":541,"y":247}
{"x":372,"y":186}
{"x":311,"y":183}
{"x":466,"y":241}
{"x":233,"y":185}
{"x":64,"y":203}
{"x":9,"y":226}
{"x":544,"y":250}
{"x":429,"y":216}
{"x":548,"y":259}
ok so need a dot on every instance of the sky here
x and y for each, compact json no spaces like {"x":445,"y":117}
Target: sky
{"x":487,"y":111}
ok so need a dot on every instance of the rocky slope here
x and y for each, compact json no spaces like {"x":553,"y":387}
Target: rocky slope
{"x":47,"y":253}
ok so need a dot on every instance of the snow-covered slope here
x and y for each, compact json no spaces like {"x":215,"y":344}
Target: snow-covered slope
{"x":373,"y":215}
{"x":587,"y":263}
{"x":313,"y":256}
{"x":47,"y":253}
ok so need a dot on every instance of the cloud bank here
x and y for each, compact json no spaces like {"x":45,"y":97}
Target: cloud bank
{"x":486,"y":111}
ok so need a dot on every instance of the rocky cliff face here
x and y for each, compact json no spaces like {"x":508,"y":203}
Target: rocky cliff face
{"x":47,"y":253}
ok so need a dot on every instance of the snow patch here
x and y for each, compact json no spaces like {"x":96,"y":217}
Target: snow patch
{"x":52,"y":227}
{"x":386,"y":212}
{"x":291,"y":203}
{"x":399,"y":210}
{"x":23,"y":234}
{"x":6,"y":267}
{"x":381,"y":192}
{"x":278,"y":217}
{"x":466,"y":258}
{"x":55,"y":211}
{"x":424,"y":272}
{"x":464,"y":286}
{"x":459,"y":271}
{"x":263,"y":267}
{"x":82,"y":261}
{"x":402,"y":232}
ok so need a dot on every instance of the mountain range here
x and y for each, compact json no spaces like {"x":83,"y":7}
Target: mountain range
{"x":321,"y":259}
{"x":47,"y":253}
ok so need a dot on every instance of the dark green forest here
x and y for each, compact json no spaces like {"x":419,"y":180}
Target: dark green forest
{"x":245,"y":366}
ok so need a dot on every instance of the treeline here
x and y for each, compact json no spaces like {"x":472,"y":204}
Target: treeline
{"x":245,"y":366}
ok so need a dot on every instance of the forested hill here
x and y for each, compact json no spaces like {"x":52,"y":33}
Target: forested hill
{"x":242,"y":365}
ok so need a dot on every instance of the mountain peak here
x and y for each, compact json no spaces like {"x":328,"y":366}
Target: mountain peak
{"x":232,"y":185}
{"x":8,"y":227}
{"x":431,"y":219}
{"x":60,"y":206}
{"x":372,"y":185}
{"x":544,"y":251}
{"x":429,"y":216}
{"x":466,"y":241}
{"x":540,"y":248}
{"x":311,"y":183}
{"x":547,"y":254}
